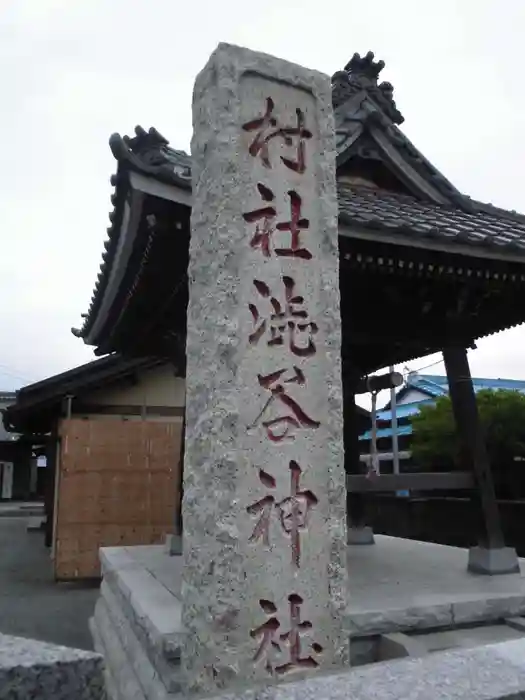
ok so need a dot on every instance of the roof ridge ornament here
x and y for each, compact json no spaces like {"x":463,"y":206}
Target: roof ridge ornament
{"x":149,"y":152}
{"x":361,"y":73}
{"x":144,"y":141}
{"x":365,"y":66}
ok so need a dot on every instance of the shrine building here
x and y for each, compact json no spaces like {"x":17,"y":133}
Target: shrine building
{"x":423,"y":268}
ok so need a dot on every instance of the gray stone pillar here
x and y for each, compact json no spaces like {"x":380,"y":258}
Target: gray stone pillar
{"x":264,"y":560}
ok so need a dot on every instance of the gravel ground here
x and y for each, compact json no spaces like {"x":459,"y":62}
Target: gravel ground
{"x":31,"y":603}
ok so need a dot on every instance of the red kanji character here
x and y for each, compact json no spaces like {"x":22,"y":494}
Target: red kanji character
{"x":295,"y":225}
{"x":262,"y":529}
{"x":278,"y":391}
{"x":265,"y":507}
{"x":271,"y":642}
{"x":268,"y":129}
{"x":266,"y":123}
{"x":264,"y":231}
{"x":298,"y":165}
{"x":267,"y":633}
{"x":283,"y":319}
{"x":293,"y":638}
{"x":294,"y":511}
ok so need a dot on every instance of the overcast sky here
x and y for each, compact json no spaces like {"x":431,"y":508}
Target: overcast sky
{"x":74,"y":71}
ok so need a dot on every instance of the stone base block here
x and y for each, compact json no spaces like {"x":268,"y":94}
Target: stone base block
{"x":492,"y":672}
{"x":173,"y":545}
{"x":137,"y":628}
{"x":493,"y":562}
{"x":33,"y":669}
{"x":360,"y":535}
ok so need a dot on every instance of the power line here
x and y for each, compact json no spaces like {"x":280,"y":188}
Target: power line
{"x":419,"y":369}
{"x":14,"y":374}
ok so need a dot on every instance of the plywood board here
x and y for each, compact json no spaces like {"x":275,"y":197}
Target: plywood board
{"x":118,"y":482}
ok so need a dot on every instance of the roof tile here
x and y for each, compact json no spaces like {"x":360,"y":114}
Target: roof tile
{"x":364,"y":205}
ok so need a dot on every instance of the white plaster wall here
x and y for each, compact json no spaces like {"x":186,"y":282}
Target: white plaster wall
{"x":155,"y":387}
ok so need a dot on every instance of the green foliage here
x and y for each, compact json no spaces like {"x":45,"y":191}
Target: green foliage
{"x":435,"y":444}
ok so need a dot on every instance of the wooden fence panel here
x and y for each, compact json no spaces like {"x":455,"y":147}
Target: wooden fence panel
{"x":117,"y":486}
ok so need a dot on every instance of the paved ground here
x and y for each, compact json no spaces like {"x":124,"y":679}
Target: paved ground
{"x":31,"y":603}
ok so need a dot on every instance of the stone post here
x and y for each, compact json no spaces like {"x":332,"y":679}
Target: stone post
{"x":264,"y":575}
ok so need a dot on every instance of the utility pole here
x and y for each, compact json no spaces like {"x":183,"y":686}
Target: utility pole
{"x":393,"y":412}
{"x":373,"y":384}
{"x":373,"y":468}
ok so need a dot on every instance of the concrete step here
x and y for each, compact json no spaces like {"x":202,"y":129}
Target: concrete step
{"x":137,"y":626}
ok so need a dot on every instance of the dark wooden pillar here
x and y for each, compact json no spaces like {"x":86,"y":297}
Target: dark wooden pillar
{"x":180,"y":485}
{"x":358,"y":532}
{"x":52,"y":451}
{"x":473,"y":449}
{"x":355,"y":509}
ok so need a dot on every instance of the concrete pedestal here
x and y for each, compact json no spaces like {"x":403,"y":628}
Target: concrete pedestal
{"x":492,"y":562}
{"x":137,"y":623}
{"x":360,"y":535}
{"x":173,"y":545}
{"x":398,"y":586}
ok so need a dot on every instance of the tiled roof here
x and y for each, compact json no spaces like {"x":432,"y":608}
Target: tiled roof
{"x":514,"y":384}
{"x":437,"y":384}
{"x":149,"y":153}
{"x":373,"y":209}
{"x":432,"y":385}
{"x":363,"y":107}
{"x":38,"y":397}
{"x":404,"y":410}
{"x":397,"y":213}
{"x":360,"y":206}
{"x":387,"y":432}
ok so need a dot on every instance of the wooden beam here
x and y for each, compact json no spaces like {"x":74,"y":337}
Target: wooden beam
{"x":126,"y":410}
{"x":430,"y":481}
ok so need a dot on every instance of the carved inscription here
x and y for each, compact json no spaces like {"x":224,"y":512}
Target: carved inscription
{"x":265,"y":227}
{"x":292,"y":511}
{"x":282,"y":323}
{"x":267,"y":128}
{"x":277,"y":429}
{"x":288,"y":317}
{"x":274,"y":645}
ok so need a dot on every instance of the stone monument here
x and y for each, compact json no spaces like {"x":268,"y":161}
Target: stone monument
{"x":264,"y":562}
